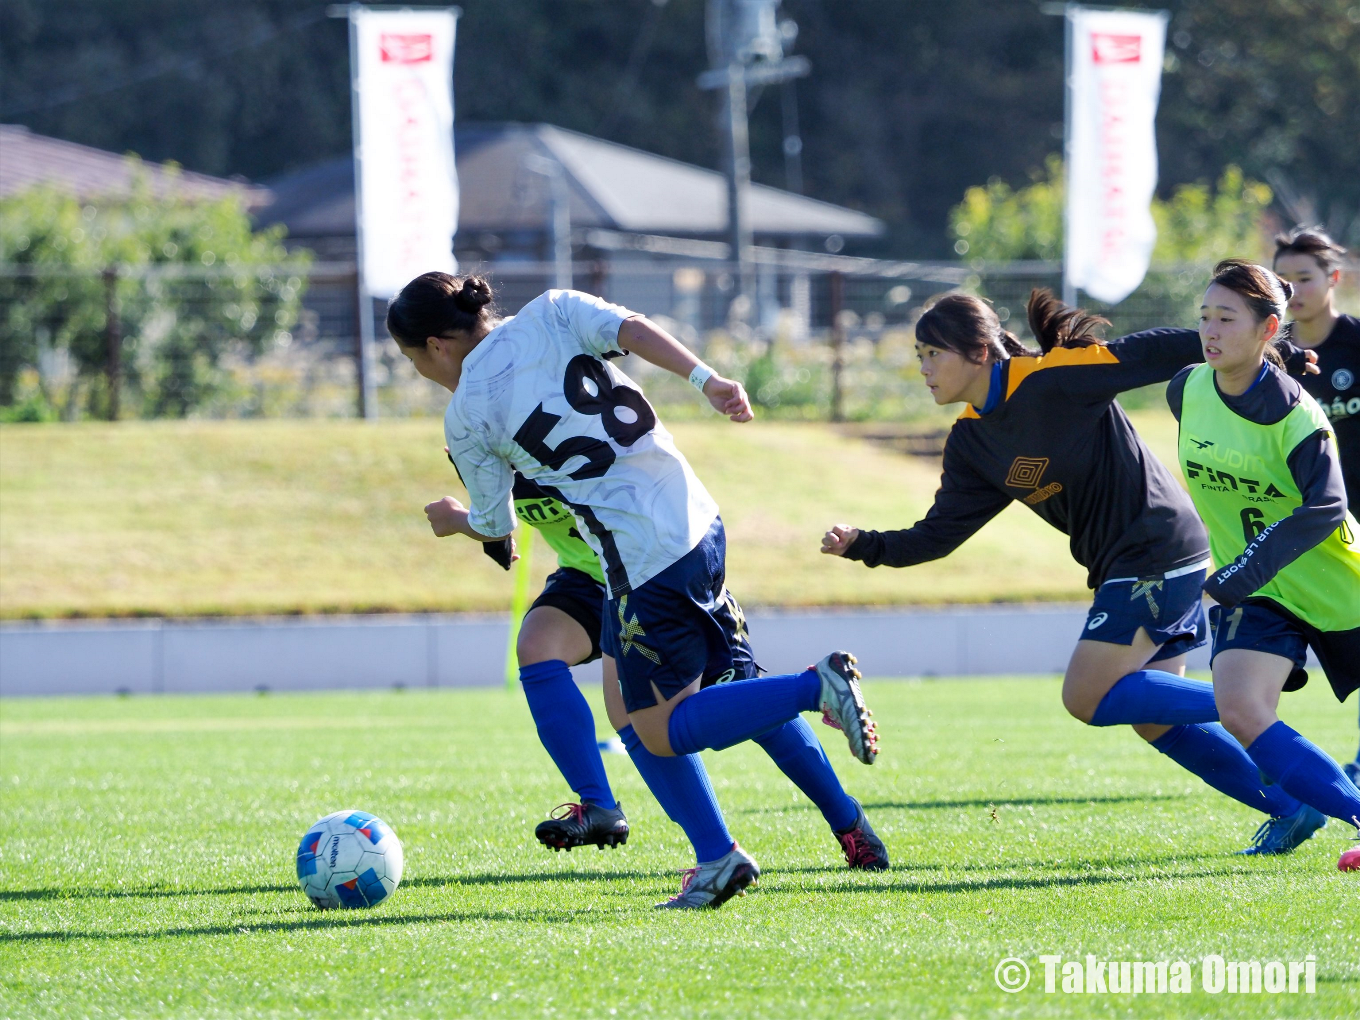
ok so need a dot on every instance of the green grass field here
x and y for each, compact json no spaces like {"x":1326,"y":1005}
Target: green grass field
{"x":186,"y":518}
{"x":147,"y":856}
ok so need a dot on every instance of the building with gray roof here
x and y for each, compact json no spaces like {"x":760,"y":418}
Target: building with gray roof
{"x":620,"y":198}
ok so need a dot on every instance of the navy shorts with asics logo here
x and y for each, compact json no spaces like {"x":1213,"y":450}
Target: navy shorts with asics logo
{"x":1169,"y":608}
{"x":682,"y":625}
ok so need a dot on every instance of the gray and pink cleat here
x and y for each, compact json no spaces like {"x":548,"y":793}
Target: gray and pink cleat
{"x":714,"y":883}
{"x":843,"y":705}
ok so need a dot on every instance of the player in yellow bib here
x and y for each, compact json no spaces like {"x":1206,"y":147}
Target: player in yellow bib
{"x":1311,"y":262}
{"x":1260,"y":460}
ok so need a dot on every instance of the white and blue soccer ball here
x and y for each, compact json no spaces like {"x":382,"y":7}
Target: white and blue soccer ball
{"x":349,"y":859}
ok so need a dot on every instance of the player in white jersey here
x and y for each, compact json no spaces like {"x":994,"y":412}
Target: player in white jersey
{"x":544,"y":374}
{"x":537,"y":394}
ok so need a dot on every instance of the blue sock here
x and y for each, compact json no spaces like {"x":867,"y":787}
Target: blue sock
{"x":799,"y":755}
{"x":680,"y":785}
{"x":567,"y":729}
{"x":1155,"y":696}
{"x":726,"y":714}
{"x":1305,"y":771}
{"x":1210,"y":752}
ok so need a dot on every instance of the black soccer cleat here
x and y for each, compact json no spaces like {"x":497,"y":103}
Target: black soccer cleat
{"x":587,"y":824}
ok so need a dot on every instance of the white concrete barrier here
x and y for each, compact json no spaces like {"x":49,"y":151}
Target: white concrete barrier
{"x":323,"y":653}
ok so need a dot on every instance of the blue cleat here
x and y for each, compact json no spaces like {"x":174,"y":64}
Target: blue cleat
{"x":1282,"y":835}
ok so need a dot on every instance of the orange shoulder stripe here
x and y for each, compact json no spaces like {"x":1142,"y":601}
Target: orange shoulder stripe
{"x":1020,"y":369}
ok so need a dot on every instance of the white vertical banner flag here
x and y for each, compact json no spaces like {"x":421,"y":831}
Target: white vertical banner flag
{"x":408,"y":184}
{"x":1115,"y":81}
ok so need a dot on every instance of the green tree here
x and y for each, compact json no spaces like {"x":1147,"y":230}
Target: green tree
{"x":1198,"y":223}
{"x":1203,"y":224}
{"x":909,"y":101}
{"x":189,"y":282}
{"x":996,"y":223}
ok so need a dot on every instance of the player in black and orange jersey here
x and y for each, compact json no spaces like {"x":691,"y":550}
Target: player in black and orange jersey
{"x":1310,"y":261}
{"x":1043,"y":427}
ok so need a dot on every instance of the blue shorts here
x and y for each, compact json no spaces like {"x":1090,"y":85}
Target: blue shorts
{"x":682,"y":625}
{"x":1260,"y":625}
{"x":1170,"y":608}
{"x":578,"y":595}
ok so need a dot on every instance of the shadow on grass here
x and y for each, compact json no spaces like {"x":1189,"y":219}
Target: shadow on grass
{"x":1084,"y":865}
{"x":161,"y":892}
{"x":430,"y":882}
{"x":123,"y":894}
{"x":495,"y":878}
{"x":320,"y":922}
{"x":881,"y":883}
{"x":894,"y":882}
{"x":924,"y":805}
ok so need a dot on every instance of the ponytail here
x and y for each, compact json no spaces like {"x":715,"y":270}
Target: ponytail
{"x":1055,"y":324}
{"x":436,"y":304}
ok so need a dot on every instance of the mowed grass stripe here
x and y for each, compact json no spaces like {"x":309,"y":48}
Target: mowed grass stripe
{"x":240,"y":517}
{"x":54,"y":727}
{"x":150,"y":873}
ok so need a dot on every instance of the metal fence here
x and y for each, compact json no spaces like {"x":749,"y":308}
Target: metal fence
{"x":824,"y":337}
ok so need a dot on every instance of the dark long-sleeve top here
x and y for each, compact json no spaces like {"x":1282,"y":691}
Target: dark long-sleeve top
{"x":1315,"y":466}
{"x":1336,"y":387}
{"x":1052,"y":436}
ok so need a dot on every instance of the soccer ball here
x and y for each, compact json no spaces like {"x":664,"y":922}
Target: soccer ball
{"x":349,"y":859}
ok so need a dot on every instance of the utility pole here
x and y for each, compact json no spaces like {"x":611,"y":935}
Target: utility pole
{"x":740,"y":236}
{"x":113,"y":341}
{"x":559,"y":199}
{"x":1066,"y":12}
{"x":745,"y":50}
{"x":366,"y":340}
{"x":793,"y":139}
{"x":837,"y":282}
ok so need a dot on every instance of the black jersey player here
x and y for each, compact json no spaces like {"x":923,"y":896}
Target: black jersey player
{"x":1311,"y":262}
{"x":1044,"y":428}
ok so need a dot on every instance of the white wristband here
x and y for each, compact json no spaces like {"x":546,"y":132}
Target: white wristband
{"x":701,"y":374}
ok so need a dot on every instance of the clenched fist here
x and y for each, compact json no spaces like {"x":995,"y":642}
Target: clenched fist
{"x":840,"y":538}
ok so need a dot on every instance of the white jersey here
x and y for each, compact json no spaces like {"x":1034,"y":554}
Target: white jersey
{"x":538,"y":396}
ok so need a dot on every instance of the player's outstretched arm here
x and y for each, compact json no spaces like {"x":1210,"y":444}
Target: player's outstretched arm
{"x":840,"y":538}
{"x":448,"y":517}
{"x":653,"y":344}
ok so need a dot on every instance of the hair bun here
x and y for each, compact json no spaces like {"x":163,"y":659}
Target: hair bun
{"x":474,"y":295}
{"x":1288,"y":289}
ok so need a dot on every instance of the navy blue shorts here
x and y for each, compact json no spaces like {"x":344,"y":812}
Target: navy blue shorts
{"x":1169,"y":608}
{"x":578,"y":595}
{"x":1260,"y":625}
{"x":682,"y":625}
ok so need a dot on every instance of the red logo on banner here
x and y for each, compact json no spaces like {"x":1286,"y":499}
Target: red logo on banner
{"x":1115,"y":49}
{"x":417,"y":49}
